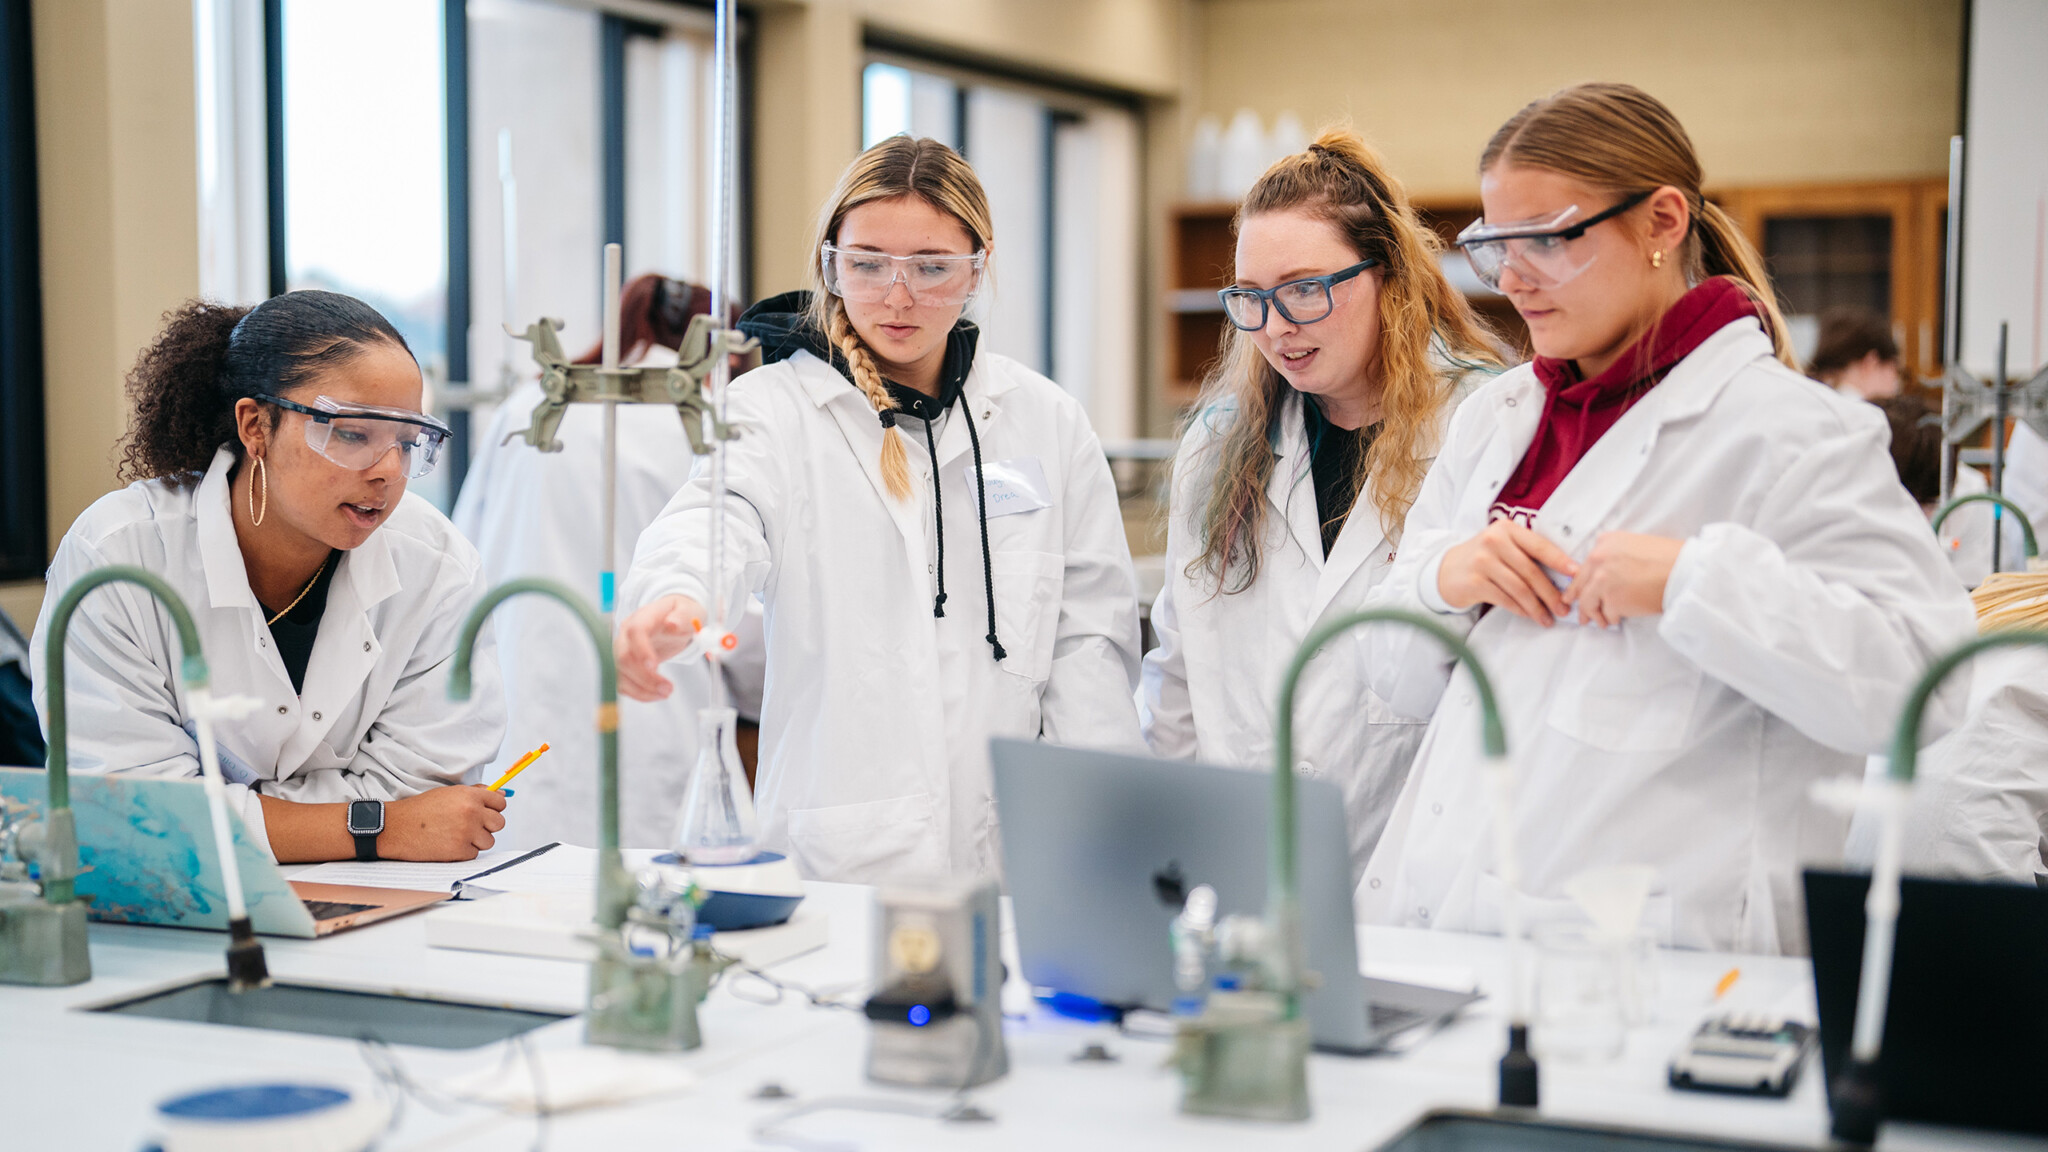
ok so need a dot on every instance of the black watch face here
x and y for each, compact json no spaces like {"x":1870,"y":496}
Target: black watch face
{"x":365,"y":817}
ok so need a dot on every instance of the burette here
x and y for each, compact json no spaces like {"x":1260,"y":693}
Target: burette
{"x":719,"y":640}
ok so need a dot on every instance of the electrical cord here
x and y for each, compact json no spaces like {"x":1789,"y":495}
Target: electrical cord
{"x":958,"y":1107}
{"x":400,"y":1086}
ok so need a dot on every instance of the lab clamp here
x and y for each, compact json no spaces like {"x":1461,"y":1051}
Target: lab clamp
{"x":1969,"y":403}
{"x":937,"y":1013}
{"x":654,"y":962}
{"x":563,"y":383}
{"x":43,"y":941}
{"x":1243,"y":1051}
{"x":1857,"y":1097}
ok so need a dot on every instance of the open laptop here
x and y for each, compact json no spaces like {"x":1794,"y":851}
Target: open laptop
{"x":1100,"y":849}
{"x":1968,"y":1009}
{"x":146,"y":850}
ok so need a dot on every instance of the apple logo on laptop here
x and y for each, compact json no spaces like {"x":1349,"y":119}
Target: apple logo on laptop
{"x":1171,"y":885}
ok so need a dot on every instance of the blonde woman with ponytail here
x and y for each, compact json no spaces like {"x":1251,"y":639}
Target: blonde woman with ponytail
{"x":1692,"y":572}
{"x":932,"y":527}
{"x":1347,"y":351}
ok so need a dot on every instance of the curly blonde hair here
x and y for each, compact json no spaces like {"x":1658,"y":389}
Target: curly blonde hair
{"x":1342,"y":180}
{"x":899,"y":166}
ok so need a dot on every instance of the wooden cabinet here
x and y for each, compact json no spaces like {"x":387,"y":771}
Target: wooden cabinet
{"x":1199,"y":258}
{"x":1878,"y":245}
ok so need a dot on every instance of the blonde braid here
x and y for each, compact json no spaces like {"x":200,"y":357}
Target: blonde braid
{"x":868,"y":378}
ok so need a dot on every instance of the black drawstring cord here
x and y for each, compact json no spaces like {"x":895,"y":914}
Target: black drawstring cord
{"x":988,"y":577}
{"x":938,"y":518}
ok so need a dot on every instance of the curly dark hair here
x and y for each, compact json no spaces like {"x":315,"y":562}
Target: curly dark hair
{"x":208,"y":356}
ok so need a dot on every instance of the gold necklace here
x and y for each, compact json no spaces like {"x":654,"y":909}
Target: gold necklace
{"x":302,"y":591}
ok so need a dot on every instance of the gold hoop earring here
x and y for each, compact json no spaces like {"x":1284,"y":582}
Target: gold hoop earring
{"x":262,"y":480}
{"x":1657,"y":259}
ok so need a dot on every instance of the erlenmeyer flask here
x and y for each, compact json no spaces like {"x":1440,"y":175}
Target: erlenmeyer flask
{"x":717,"y":822}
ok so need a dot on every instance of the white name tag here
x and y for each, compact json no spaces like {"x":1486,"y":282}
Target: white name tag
{"x":1012,"y":486}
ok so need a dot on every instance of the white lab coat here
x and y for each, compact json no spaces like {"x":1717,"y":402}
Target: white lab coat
{"x":1979,"y":804}
{"x":1210,"y":687}
{"x":876,"y":715}
{"x":374,"y":722}
{"x":1808,"y":598}
{"x":534,"y":513}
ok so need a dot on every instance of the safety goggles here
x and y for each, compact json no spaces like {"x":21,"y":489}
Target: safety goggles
{"x":866,"y":277}
{"x":357,"y":436}
{"x":1544,"y":253}
{"x":1302,"y":301}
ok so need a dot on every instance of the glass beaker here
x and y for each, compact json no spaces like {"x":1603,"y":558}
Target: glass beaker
{"x":717,"y":821}
{"x":1580,"y":1012}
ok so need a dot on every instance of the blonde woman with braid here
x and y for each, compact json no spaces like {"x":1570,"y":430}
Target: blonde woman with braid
{"x":1347,"y":350}
{"x":932,"y":528}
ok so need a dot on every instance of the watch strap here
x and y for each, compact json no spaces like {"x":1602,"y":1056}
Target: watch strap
{"x":366,"y":845}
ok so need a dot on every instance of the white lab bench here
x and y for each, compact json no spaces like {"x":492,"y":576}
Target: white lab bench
{"x":80,"y":1080}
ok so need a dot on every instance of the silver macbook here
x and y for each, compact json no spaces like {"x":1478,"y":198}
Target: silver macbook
{"x":1100,"y":849}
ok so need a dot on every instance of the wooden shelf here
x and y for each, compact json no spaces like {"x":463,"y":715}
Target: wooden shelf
{"x":1200,"y":257}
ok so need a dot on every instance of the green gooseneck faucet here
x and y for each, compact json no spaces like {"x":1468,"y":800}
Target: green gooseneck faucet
{"x":1858,"y":1100}
{"x":612,"y":895}
{"x":642,"y":1002}
{"x":246,"y":965}
{"x":1257,"y":1067}
{"x":2027,"y":547}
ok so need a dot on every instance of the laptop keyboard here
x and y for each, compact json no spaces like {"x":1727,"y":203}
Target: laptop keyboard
{"x":1387,"y":1019}
{"x":334,"y":909}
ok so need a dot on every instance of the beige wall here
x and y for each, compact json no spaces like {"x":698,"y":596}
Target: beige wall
{"x":117,"y":167}
{"x":1772,"y":91}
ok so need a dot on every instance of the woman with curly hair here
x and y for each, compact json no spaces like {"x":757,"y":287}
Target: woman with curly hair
{"x":1347,"y":350}
{"x":269,"y":458}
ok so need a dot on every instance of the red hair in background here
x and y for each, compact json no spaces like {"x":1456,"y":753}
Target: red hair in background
{"x":653,"y":309}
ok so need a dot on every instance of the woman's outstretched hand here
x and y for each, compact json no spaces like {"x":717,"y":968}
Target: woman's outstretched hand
{"x":648,"y":638}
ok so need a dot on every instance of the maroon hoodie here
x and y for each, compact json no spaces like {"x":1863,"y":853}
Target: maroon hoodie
{"x":1577,"y":413}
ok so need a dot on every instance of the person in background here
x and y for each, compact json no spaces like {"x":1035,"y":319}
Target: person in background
{"x":1856,"y":355}
{"x":534,"y":513}
{"x":1916,"y":453}
{"x":933,"y":529}
{"x":269,"y":456}
{"x":1692,"y":574}
{"x":1348,"y":349}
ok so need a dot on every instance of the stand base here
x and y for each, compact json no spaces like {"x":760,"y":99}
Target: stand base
{"x":646,"y":1004}
{"x":43,"y":944}
{"x":1241,"y":1058}
{"x":1858,"y":1105}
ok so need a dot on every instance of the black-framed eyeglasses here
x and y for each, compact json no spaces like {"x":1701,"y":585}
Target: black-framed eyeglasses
{"x":1303,"y":301}
{"x":357,"y":436}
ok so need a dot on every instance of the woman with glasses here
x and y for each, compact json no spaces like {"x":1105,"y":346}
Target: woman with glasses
{"x":1691,"y":572}
{"x":931,"y":526}
{"x":269,"y":456}
{"x":1347,"y":349}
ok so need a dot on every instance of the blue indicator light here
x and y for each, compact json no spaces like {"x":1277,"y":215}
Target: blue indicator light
{"x":920,"y":1015}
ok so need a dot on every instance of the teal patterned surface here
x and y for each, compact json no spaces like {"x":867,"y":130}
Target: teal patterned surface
{"x":146,"y":851}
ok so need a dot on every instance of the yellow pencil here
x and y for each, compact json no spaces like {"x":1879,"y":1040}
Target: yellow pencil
{"x":1727,"y":981}
{"x":518,"y":767}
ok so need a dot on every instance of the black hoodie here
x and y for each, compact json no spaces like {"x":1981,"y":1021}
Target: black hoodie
{"x":783,"y":327}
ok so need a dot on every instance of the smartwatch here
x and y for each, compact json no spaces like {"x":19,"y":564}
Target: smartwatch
{"x":365,"y":821}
